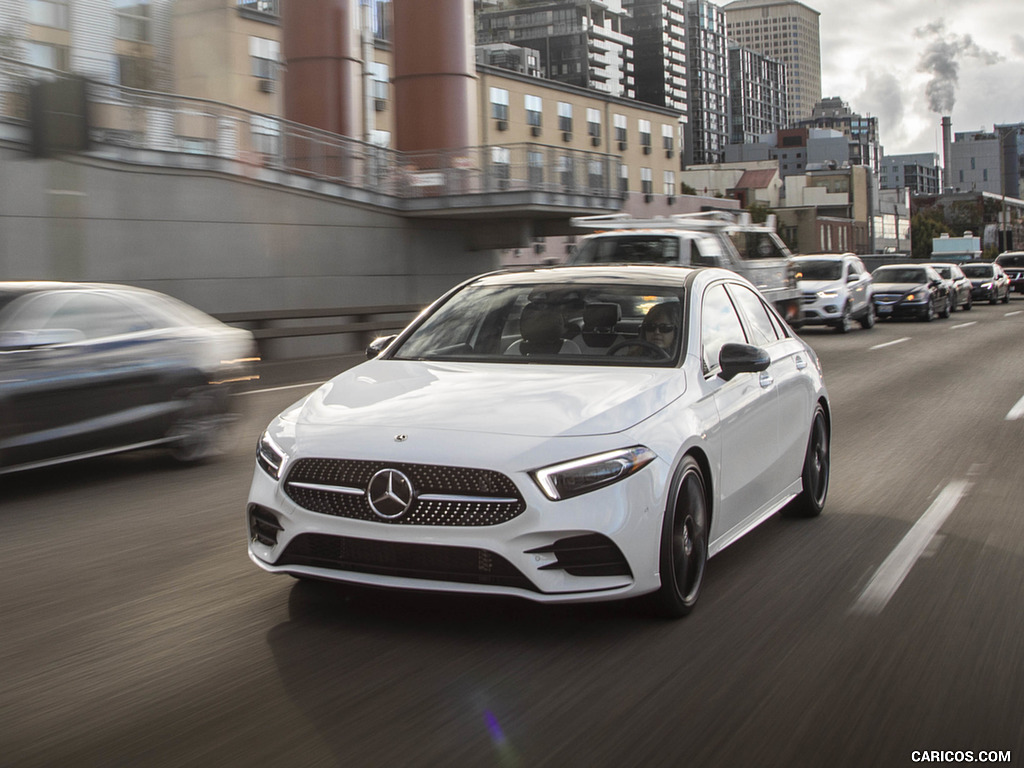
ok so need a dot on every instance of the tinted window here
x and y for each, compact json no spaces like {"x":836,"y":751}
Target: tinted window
{"x":819,"y":270}
{"x":900,"y":275}
{"x":758,"y":245}
{"x":977,"y":270}
{"x":96,"y":316}
{"x":1011,"y":260}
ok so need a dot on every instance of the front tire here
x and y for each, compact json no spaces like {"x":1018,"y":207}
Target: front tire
{"x":195,"y":434}
{"x":684,"y":544}
{"x":868,"y":320}
{"x":817,"y":469}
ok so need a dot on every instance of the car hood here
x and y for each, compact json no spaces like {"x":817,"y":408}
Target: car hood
{"x":493,"y":398}
{"x":813,"y":286}
{"x":898,"y":287}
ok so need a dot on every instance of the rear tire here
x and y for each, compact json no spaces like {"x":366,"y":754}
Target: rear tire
{"x":817,"y":469}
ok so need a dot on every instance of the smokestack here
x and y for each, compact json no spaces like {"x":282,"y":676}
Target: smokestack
{"x":947,"y":129}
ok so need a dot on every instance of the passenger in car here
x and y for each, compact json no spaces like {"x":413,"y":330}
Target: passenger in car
{"x":661,"y":327}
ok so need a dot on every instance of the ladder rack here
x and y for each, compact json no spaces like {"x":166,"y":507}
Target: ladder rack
{"x":702,"y":220}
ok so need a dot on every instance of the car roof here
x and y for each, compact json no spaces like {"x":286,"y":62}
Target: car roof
{"x":22,"y":287}
{"x":634,"y":273}
{"x":824,"y":256}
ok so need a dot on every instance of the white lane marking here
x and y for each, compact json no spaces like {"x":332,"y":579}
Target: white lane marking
{"x":890,"y":343}
{"x":278,"y":389}
{"x":1017,"y":411}
{"x":963,"y":325}
{"x":897,"y":565}
{"x":1011,"y":314}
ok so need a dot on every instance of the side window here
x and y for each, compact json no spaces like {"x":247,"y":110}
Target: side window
{"x":35,"y":313}
{"x":96,"y":316}
{"x":719,"y":325}
{"x":708,"y":253}
{"x":757,"y":320}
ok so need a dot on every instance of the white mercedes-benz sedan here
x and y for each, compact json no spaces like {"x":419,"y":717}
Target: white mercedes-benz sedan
{"x":559,"y":434}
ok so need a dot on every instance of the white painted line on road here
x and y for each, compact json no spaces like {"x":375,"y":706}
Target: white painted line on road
{"x":963,"y":325}
{"x":1015,"y":312}
{"x":890,"y":343}
{"x":278,"y":389}
{"x":897,"y":565}
{"x":1017,"y":411}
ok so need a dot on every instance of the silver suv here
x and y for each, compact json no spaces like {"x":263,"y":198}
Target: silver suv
{"x":836,"y":289}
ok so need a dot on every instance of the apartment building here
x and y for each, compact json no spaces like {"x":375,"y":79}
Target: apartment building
{"x":787,"y":31}
{"x":919,"y":173}
{"x":757,"y":95}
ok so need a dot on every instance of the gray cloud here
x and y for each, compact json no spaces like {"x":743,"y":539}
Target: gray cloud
{"x":1017,"y":43}
{"x":941,"y":59}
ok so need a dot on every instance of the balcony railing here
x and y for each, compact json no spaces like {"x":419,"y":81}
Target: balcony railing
{"x":129,"y":123}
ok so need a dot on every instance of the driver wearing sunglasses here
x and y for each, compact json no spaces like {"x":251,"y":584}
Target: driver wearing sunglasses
{"x":661,"y":326}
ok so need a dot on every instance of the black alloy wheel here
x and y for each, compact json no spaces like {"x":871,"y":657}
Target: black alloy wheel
{"x":817,"y":469}
{"x":684,"y":544}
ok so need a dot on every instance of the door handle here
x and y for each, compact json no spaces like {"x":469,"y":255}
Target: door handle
{"x":800,"y":363}
{"x":765,"y":380}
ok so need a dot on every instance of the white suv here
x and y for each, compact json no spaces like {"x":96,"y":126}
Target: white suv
{"x":836,"y":289}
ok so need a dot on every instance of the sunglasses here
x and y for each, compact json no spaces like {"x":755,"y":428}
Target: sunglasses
{"x":660,"y":327}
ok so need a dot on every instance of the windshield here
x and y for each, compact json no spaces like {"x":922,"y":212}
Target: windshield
{"x":1010,"y":260}
{"x":977,"y":270}
{"x":628,"y":249}
{"x":900,"y":275}
{"x":564,"y":324}
{"x":819,"y":270}
{"x":945,"y":272}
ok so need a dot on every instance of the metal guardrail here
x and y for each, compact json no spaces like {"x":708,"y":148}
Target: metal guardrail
{"x":130,"y":120}
{"x":367,"y":322}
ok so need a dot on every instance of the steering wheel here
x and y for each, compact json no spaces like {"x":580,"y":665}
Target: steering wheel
{"x":663,"y":354}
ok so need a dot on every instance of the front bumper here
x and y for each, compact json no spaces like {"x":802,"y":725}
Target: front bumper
{"x":887,"y":308}
{"x":602,"y":545}
{"x":822,"y":311}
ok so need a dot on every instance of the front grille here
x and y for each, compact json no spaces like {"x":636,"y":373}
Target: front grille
{"x":888,"y":298}
{"x":445,"y":496}
{"x":463,"y":565}
{"x":588,"y":555}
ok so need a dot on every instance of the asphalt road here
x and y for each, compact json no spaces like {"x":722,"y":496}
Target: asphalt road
{"x":137,"y":633}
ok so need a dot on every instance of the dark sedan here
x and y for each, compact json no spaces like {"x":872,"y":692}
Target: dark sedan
{"x":988,"y":282}
{"x":91,"y":369}
{"x":910,"y":290}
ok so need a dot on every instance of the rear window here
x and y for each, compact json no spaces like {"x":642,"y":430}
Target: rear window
{"x":977,"y":270}
{"x":900,"y":275}
{"x":1010,"y":260}
{"x":629,"y":249}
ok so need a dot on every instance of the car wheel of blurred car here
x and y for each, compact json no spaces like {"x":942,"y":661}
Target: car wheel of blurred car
{"x":684,"y":544}
{"x":994,"y":297}
{"x":947,"y":307}
{"x":969,"y":304}
{"x":817,"y":464}
{"x":197,"y":427}
{"x":1006,"y":298}
{"x":929,"y":312}
{"x":868,"y":319}
{"x":845,"y":324}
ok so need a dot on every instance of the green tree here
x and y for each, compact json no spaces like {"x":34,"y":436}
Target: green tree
{"x":759,"y":212}
{"x":926,"y":224}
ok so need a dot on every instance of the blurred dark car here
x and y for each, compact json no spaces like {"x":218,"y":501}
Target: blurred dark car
{"x":960,"y":286}
{"x":910,"y":290}
{"x":988,"y":281}
{"x":91,"y":369}
{"x":1012,"y":263}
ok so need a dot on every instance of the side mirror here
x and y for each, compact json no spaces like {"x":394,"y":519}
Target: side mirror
{"x":742,"y":358}
{"x":378,"y":345}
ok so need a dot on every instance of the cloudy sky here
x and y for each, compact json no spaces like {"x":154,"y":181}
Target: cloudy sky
{"x":908,"y":62}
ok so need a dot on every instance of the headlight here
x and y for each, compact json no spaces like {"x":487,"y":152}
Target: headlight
{"x":831,"y":294}
{"x":270,"y":456}
{"x":572,"y":478}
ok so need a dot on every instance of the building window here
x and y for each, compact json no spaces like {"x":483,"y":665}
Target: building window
{"x":49,"y":56}
{"x":535,"y":167}
{"x":48,"y":13}
{"x":135,"y":72}
{"x":667,"y":137}
{"x":565,"y":117}
{"x":381,"y":81}
{"x":645,"y":132}
{"x":132,"y":20}
{"x":501,"y":166}
{"x":533,"y":110}
{"x":266,"y":135}
{"x":646,"y":181}
{"x":670,"y":183}
{"x":623,"y":178}
{"x":263,"y":56}
{"x":499,"y":103}
{"x":594,"y":123}
{"x":621,"y":128}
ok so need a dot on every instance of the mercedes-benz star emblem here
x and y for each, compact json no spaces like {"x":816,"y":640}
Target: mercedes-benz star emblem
{"x":390,"y":494}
